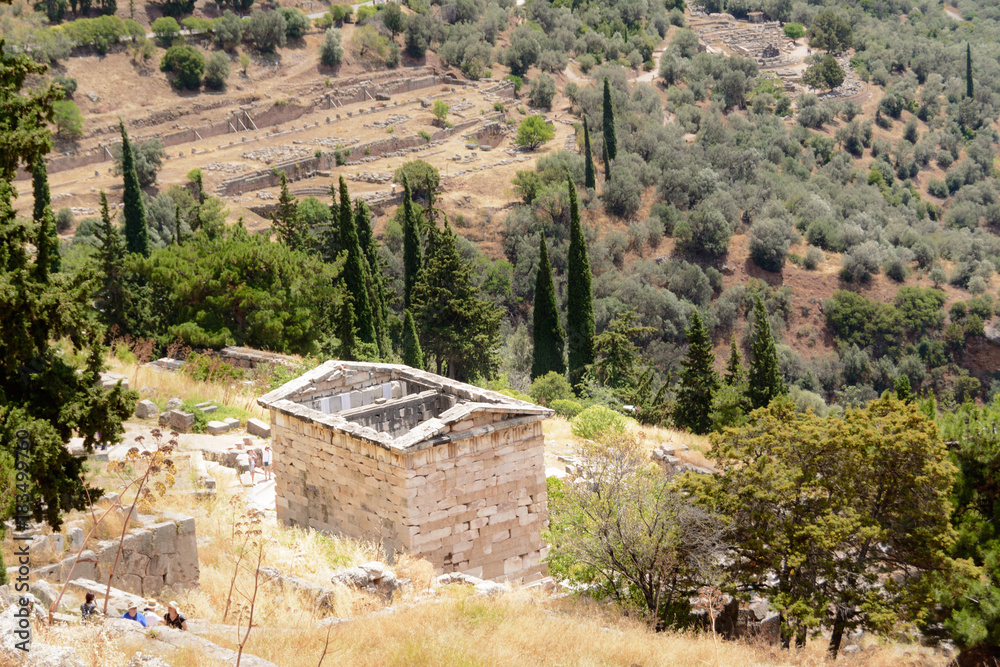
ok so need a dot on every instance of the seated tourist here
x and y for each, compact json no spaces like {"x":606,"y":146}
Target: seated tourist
{"x":133,"y":614}
{"x":173,"y":617}
{"x":88,"y":610}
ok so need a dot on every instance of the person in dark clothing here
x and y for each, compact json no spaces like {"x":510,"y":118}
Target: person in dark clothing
{"x":173,"y":617}
{"x":88,"y":609}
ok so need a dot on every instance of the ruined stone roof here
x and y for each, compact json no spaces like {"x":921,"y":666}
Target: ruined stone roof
{"x":335,"y":380}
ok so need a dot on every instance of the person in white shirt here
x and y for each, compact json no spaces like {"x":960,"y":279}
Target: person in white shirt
{"x":267,"y":462}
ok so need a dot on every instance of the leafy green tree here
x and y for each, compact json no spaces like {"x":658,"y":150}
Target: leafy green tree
{"x":166,"y":29}
{"x":48,"y":240}
{"x":413,"y":356}
{"x":232,"y":287}
{"x":548,"y":336}
{"x":413,"y":256}
{"x":533,"y":132}
{"x":590,"y":178}
{"x":618,"y":359}
{"x":833,"y":508}
{"x":68,"y":119}
{"x":331,"y":53}
{"x":147,"y":158}
{"x":610,"y":138}
{"x":136,"y":233}
{"x":186,"y":63}
{"x":579,"y":296}
{"x":238,"y":6}
{"x":440,"y":110}
{"x":765,"y":378}
{"x":699,"y":381}
{"x":266,"y":30}
{"x":824,"y":74}
{"x":424,"y":177}
{"x":550,"y":387}
{"x":543,"y":90}
{"x":217,"y":71}
{"x":355,"y":275}
{"x":829,"y":32}
{"x":227,"y":30}
{"x":794,"y":31}
{"x":296,"y":23}
{"x":459,"y":327}
{"x":393,"y":18}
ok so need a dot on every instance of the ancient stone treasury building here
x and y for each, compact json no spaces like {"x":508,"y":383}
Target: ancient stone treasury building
{"x":426,"y":465}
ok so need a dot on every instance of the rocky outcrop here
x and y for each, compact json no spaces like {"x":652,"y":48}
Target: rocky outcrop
{"x":371,"y":577}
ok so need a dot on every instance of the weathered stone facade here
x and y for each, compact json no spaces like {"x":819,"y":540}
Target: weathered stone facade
{"x":421,"y":463}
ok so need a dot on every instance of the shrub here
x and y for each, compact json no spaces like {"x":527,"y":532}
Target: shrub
{"x":217,"y":71}
{"x":440,"y":110}
{"x":64,"y":219}
{"x":937,"y":188}
{"x":586,"y":62}
{"x":769,"y":242}
{"x":543,"y":89}
{"x":812,"y":259}
{"x":67,"y":118}
{"x":566,"y":408}
{"x":68,"y":85}
{"x":187,"y":64}
{"x":598,"y":422}
{"x":331,"y":53}
{"x":550,"y":387}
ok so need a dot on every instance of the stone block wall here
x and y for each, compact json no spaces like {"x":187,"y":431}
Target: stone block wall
{"x":473,"y":501}
{"x":161,"y":555}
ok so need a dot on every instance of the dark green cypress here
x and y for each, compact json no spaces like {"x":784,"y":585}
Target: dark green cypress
{"x":43,"y":201}
{"x":549,"y":338}
{"x":285,"y":219}
{"x":734,"y":367}
{"x":376,"y":283}
{"x":413,"y":356}
{"x":46,"y":248}
{"x":346,"y":331}
{"x":590,"y":178}
{"x":699,"y":382}
{"x":579,"y":296}
{"x":610,"y":140}
{"x":111,"y":259}
{"x":969,"y":90}
{"x":607,"y":164}
{"x":136,"y":232}
{"x":354,"y":274}
{"x":765,"y":381}
{"x":413,"y":256}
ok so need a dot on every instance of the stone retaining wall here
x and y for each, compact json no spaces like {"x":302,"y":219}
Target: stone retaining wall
{"x":162,"y":555}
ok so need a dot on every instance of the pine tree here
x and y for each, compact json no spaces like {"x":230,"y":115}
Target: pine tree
{"x":412,"y":252}
{"x":969,"y":90}
{"x":285,"y":219}
{"x":765,"y":382}
{"x":458,"y":326}
{"x":734,"y":367}
{"x":377,"y":291}
{"x":699,"y":381}
{"x":355,"y":275}
{"x":413,"y":356}
{"x":590,"y":178}
{"x":610,"y":140}
{"x":136,"y":232}
{"x":549,"y":338}
{"x":48,"y":234}
{"x":579,"y":296}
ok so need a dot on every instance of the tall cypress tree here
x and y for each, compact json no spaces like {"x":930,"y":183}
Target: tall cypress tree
{"x":111,"y":260}
{"x":548,"y":336}
{"x":589,"y":178}
{"x":607,"y":163}
{"x":968,"y":71}
{"x":610,"y":139}
{"x":699,"y":381}
{"x":765,"y":381}
{"x":412,"y":252}
{"x":355,"y":274}
{"x":734,"y":367}
{"x":285,"y":219}
{"x":579,"y":296}
{"x":43,"y":200}
{"x":46,"y":248}
{"x":377,"y":292}
{"x":346,"y":331}
{"x":413,"y":356}
{"x":136,"y":232}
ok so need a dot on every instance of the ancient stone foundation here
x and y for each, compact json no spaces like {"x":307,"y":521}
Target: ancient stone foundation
{"x":436,"y":468}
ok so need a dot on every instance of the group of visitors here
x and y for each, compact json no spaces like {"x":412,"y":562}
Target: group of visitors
{"x":148,"y":617}
{"x":266,"y":459}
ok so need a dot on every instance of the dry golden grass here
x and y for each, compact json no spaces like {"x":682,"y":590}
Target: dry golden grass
{"x":167,"y":385}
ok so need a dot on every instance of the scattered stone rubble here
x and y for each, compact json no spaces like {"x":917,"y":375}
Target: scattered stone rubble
{"x":330,"y":142}
{"x":391,"y":121}
{"x":371,"y":577}
{"x":372,"y":177}
{"x":498,"y":163}
{"x":227,"y":167}
{"x":666,"y":457}
{"x":282,"y":153}
{"x":734,"y":620}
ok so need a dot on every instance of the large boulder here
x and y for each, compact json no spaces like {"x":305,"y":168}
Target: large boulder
{"x":372,"y":577}
{"x":146,"y":409}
